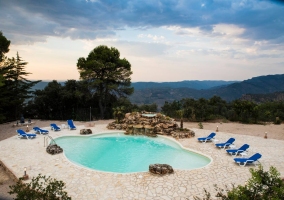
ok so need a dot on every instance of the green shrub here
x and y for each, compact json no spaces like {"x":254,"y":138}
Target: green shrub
{"x":225,"y":120}
{"x":168,"y":118}
{"x":200,"y":125}
{"x":263,"y":185}
{"x":183,"y":129}
{"x":40,"y":188}
{"x":277,"y":121}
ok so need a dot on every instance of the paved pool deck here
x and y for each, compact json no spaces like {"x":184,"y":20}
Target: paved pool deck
{"x":82,"y":183}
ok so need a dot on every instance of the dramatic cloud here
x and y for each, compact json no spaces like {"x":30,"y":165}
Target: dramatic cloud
{"x":172,"y":39}
{"x":89,"y":19}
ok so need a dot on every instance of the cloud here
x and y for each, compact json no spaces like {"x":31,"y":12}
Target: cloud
{"x":90,"y":19}
{"x":154,"y":38}
{"x":133,"y":49}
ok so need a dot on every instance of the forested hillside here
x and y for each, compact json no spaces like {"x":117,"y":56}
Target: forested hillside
{"x":256,"y":85}
{"x":262,"y":98}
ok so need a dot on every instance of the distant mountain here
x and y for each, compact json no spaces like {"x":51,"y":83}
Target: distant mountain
{"x":256,"y":85}
{"x":160,"y":95}
{"x":143,"y":85}
{"x":181,"y":84}
{"x":154,"y":92}
{"x":41,"y":85}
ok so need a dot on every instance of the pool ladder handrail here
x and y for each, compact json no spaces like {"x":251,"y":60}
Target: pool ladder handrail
{"x":46,"y":140}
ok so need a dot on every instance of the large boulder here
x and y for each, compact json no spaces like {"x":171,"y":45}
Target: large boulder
{"x":85,"y":131}
{"x":160,"y":169}
{"x":111,"y":125}
{"x":54,"y":149}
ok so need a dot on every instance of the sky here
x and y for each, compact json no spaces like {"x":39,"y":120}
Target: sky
{"x":164,"y":40}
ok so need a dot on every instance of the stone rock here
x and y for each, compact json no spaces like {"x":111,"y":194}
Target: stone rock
{"x":111,"y":125}
{"x":85,"y":131}
{"x":160,"y":169}
{"x":127,"y":115}
{"x":183,"y":134}
{"x":54,"y":149}
{"x":165,"y":126}
{"x":157,"y":129}
{"x":192,"y":133}
{"x":118,"y":126}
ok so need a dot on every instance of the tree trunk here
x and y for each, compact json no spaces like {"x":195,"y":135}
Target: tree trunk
{"x":181,"y":123}
{"x":101,"y":109}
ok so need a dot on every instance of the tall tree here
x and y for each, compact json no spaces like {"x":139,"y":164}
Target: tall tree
{"x":4,"y":46}
{"x":108,"y":75}
{"x":17,"y":87}
{"x":48,"y":102}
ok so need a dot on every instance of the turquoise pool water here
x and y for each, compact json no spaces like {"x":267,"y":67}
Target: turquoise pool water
{"x":149,"y":115}
{"x":125,"y":154}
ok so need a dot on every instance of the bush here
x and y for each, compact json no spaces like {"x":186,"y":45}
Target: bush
{"x":277,"y":121}
{"x":40,"y":188}
{"x":262,"y":185}
{"x":200,"y":125}
{"x":225,"y":121}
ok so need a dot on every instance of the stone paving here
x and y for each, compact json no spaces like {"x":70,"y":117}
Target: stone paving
{"x":82,"y":183}
{"x":5,"y":181}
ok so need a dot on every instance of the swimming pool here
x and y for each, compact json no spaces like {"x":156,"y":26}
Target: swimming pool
{"x":149,"y":115}
{"x":116,"y":152}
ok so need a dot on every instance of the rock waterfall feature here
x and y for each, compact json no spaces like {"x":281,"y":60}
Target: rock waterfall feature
{"x":150,"y":124}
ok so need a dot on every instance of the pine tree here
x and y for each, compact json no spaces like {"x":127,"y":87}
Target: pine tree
{"x":17,"y":87}
{"x":4,"y":48}
{"x":107,"y":74}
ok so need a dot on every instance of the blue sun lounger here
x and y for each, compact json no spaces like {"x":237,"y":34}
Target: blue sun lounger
{"x":23,"y":134}
{"x":225,"y":144}
{"x":71,"y":125}
{"x":250,"y":160}
{"x":41,"y":131}
{"x":54,"y":127}
{"x":238,"y":151}
{"x":208,"y":138}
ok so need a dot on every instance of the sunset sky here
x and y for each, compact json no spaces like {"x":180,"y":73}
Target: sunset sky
{"x":166,"y":40}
